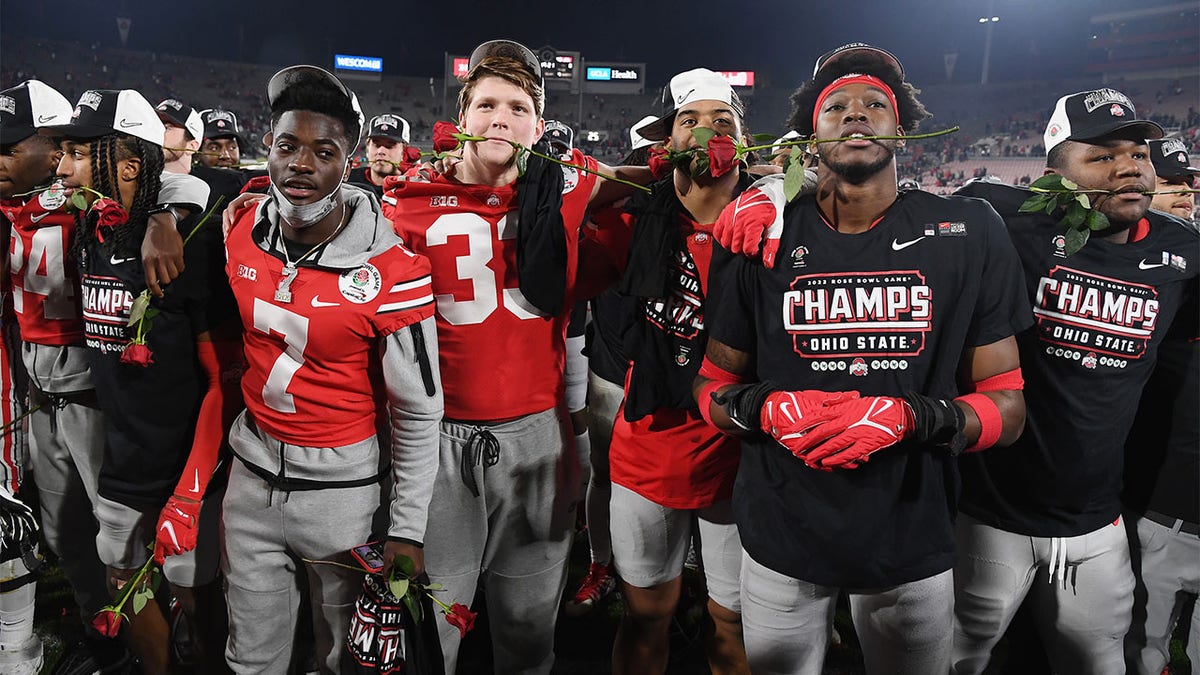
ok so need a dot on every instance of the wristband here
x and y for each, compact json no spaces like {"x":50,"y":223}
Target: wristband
{"x":937,"y":422}
{"x":743,"y":403}
{"x":706,"y":399}
{"x":990,"y":424}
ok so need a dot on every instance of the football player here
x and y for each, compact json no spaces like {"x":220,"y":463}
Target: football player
{"x":878,"y":347}
{"x":338,"y":443}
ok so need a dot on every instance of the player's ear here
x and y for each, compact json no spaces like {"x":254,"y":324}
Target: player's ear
{"x":268,"y":139}
{"x":541,"y":129}
{"x":1049,"y":171}
{"x":900,"y":132}
{"x":129,"y":169}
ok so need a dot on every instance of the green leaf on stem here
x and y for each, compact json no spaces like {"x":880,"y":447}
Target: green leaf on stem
{"x":1096,"y":221}
{"x":79,"y":201}
{"x":1051,"y":205}
{"x":398,"y":586}
{"x":703,"y":135}
{"x":1067,"y":183}
{"x":1075,"y":216}
{"x":138,"y":310}
{"x":1083,"y":201}
{"x":763,"y":138}
{"x":1035,"y":204}
{"x":413,"y":605}
{"x":140,"y":599}
{"x":1075,"y":239}
{"x":1050,"y":181}
{"x":522,"y":158}
{"x":793,"y":180}
{"x":404,"y":565}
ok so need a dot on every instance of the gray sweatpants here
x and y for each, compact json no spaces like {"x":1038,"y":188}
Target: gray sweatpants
{"x":66,"y":445}
{"x":1170,"y":571}
{"x":513,"y":538}
{"x":787,"y":622}
{"x":1081,"y":589}
{"x":266,"y":533}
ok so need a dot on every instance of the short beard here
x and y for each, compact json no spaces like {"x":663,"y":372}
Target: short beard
{"x":858,"y":173}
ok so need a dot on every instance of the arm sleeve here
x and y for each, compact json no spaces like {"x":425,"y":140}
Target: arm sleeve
{"x":222,"y":363}
{"x":414,"y":392}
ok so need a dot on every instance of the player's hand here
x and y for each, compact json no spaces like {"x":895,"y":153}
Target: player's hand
{"x":178,"y":525}
{"x":17,"y":524}
{"x":162,"y":252}
{"x":391,"y":549}
{"x":754,"y":220}
{"x":245,"y":200}
{"x":866,"y":426}
{"x":793,"y":418}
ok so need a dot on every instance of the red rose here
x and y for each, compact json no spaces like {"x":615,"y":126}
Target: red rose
{"x":257,"y":184}
{"x":107,"y":623}
{"x":137,"y":354}
{"x":722,"y":155}
{"x":443,"y":136}
{"x":412,"y":154}
{"x":461,"y":618}
{"x":659,"y":164}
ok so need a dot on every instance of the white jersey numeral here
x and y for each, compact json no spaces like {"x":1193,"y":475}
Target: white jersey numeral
{"x":293,"y":328}
{"x":44,"y":273}
{"x":474,"y":267}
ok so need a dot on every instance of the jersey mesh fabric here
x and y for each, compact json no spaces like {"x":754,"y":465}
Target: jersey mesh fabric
{"x":45,"y":278}
{"x":321,"y":341}
{"x":500,"y":359}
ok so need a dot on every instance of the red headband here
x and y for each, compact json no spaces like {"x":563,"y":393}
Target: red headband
{"x":854,"y":78}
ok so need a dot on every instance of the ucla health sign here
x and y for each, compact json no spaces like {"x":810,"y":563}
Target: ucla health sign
{"x":368,"y":64}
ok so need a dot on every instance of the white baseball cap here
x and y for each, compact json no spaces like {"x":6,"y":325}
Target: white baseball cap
{"x":698,"y":84}
{"x":28,"y":106}
{"x":638,"y":140}
{"x":101,"y":112}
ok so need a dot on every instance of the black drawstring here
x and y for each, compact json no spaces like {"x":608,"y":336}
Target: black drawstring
{"x":481,"y":448}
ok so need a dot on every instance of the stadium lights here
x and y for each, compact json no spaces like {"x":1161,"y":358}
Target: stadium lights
{"x":984,"y":19}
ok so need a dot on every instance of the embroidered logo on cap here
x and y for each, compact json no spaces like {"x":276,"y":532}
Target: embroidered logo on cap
{"x":8,"y":104}
{"x":91,"y":98}
{"x":1116,"y":111}
{"x":1102,"y":97}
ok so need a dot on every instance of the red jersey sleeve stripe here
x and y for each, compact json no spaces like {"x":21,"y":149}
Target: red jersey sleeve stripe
{"x":408,"y":295}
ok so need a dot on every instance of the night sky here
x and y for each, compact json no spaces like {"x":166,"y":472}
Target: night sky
{"x":779,"y":39}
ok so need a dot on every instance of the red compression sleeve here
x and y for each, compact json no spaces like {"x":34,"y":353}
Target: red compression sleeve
{"x":222,"y":401}
{"x":990,"y":424}
{"x":1008,"y":380}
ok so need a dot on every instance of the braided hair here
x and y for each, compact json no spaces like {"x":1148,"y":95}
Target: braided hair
{"x":105,"y":153}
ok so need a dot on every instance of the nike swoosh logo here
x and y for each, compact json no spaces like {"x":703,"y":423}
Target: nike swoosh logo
{"x":38,"y":218}
{"x":114,"y":260}
{"x":196,"y":481}
{"x":897,"y":246}
{"x":126,"y":124}
{"x":42,"y":119}
{"x":170,"y":528}
{"x":1143,"y":265}
{"x":316,"y":302}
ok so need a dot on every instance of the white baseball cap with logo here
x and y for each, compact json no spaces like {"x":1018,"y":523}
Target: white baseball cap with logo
{"x":636,"y":138}
{"x":101,"y":112}
{"x":27,"y":107}
{"x":698,"y":84}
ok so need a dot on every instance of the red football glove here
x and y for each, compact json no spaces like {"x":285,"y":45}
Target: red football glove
{"x":178,"y":525}
{"x":865,"y":426}
{"x":754,"y":220}
{"x":789,"y":416}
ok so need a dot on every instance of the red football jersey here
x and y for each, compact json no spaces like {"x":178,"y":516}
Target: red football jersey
{"x":44,"y":278}
{"x":313,"y":374}
{"x":499,"y":358}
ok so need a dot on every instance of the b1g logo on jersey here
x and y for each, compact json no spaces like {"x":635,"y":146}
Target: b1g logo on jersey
{"x":443,"y":201}
{"x":1095,"y":314}
{"x":362,"y":285}
{"x":858,"y":314}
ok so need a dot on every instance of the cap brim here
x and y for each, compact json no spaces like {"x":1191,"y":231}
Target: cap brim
{"x":508,"y":49}
{"x":1176,"y":171}
{"x":168,"y":117}
{"x":659,"y":129}
{"x":11,"y":136}
{"x":81,"y":131}
{"x":885,"y":56}
{"x":1151,"y":130}
{"x":398,"y":139}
